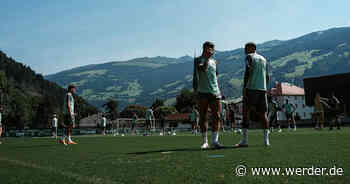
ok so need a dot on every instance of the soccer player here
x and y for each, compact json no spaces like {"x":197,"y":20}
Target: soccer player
{"x":1,"y":110}
{"x":149,"y":118}
{"x":256,"y":78}
{"x":104,"y":124}
{"x":223,"y":113}
{"x":196,"y":119}
{"x":273,"y":114}
{"x":278,"y":115}
{"x":205,"y":82}
{"x":335,"y":112}
{"x":319,"y":110}
{"x":133,"y":124}
{"x":54,"y":126}
{"x":162,"y":123}
{"x":69,"y":116}
{"x":290,"y":109}
{"x":193,"y":120}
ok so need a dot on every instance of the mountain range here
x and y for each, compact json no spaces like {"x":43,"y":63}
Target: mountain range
{"x":142,"y":80}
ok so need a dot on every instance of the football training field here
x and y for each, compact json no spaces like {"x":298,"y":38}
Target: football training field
{"x":177,"y":159}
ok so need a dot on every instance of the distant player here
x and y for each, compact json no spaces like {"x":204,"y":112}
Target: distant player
{"x":1,"y":110}
{"x":104,"y":124}
{"x":231,"y":110}
{"x":273,"y":114}
{"x":290,"y":109}
{"x":256,"y":78}
{"x":205,"y":82}
{"x":319,"y":104}
{"x":196,"y":121}
{"x":162,"y":123}
{"x":149,"y":119}
{"x":133,"y":124}
{"x":54,"y":126}
{"x":279,"y":115}
{"x":193,"y":121}
{"x":69,"y":117}
{"x":335,"y":112}
{"x":223,"y":113}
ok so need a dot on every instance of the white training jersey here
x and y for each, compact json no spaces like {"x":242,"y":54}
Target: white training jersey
{"x":0,"y":118}
{"x":104,"y":121}
{"x":54,"y":122}
{"x":149,"y":114}
{"x":69,"y":103}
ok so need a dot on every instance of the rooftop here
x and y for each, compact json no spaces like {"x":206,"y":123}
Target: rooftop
{"x":286,"y":89}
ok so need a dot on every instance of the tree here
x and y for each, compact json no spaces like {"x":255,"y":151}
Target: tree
{"x":83,"y":109}
{"x":164,"y":111}
{"x":157,"y":103}
{"x":3,"y":86}
{"x":185,"y":101}
{"x":112,"y":108}
{"x":43,"y":111}
{"x":129,"y":110}
{"x":30,"y":100}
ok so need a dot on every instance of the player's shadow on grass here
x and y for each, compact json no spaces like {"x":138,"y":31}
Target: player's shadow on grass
{"x":180,"y":150}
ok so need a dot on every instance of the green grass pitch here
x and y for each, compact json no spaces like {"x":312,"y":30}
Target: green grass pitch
{"x":173,"y":159}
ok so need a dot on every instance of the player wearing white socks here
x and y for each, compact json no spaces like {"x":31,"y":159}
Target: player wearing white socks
{"x":290,"y":112}
{"x":149,"y":119}
{"x":69,"y":116}
{"x":104,"y":124}
{"x":133,"y":123}
{"x":223,"y":113}
{"x":196,"y":113}
{"x":193,"y":119}
{"x":205,"y":82}
{"x":54,"y":126}
{"x":254,"y":92}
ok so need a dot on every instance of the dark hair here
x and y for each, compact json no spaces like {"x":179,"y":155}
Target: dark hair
{"x":208,"y":44}
{"x":70,"y":87}
{"x":250,"y":44}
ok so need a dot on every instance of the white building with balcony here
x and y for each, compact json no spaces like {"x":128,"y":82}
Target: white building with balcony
{"x":295,"y":95}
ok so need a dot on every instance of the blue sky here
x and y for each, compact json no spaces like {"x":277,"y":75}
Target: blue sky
{"x":55,"y":35}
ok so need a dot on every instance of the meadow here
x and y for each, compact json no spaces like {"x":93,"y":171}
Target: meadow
{"x":174,"y":159}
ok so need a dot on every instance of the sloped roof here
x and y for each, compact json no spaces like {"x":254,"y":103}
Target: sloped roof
{"x":89,"y":121}
{"x":288,"y":89}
